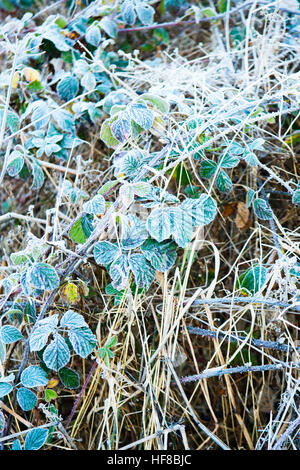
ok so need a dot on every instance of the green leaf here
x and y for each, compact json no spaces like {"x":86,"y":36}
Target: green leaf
{"x":43,"y":276}
{"x":38,"y":175}
{"x":35,"y":439}
{"x":181,"y":225}
{"x":223,"y":182}
{"x":158,"y":224}
{"x":12,"y":120}
{"x":72,"y":319}
{"x":34,"y":376}
{"x":26,"y":399}
{"x":208,"y":168}
{"x":262,"y":209}
{"x":156,"y":101}
{"x":145,"y":13}
{"x":82,"y":340}
{"x":93,"y":35}
{"x":119,"y":272}
{"x":120,"y":127}
{"x":67,"y":88}
{"x":50,"y":394}
{"x":106,"y":134}
{"x":296,"y":197}
{"x":69,"y":378}
{"x":253,"y":279}
{"x":250,"y":158}
{"x":133,"y":232}
{"x":109,"y":26}
{"x":81,"y":230}
{"x":56,"y":354}
{"x":105,"y":253}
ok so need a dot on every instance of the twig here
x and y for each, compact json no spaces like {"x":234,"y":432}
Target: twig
{"x":27,"y":218}
{"x":176,"y":427}
{"x":246,"y":300}
{"x":286,"y":434}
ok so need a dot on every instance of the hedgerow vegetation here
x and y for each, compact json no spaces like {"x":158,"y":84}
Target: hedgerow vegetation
{"x":149,"y":215}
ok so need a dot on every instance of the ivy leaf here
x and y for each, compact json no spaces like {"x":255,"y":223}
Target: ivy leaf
{"x":105,"y":253}
{"x":35,"y":439}
{"x":82,"y":340}
{"x":43,"y":276}
{"x":67,"y":88}
{"x":34,"y":376}
{"x":141,"y":115}
{"x":142,"y":270}
{"x":96,"y":205}
{"x":56,"y":354}
{"x":262,"y":209}
{"x":223,"y":182}
{"x":10,"y":334}
{"x":26,"y":399}
{"x":69,"y":378}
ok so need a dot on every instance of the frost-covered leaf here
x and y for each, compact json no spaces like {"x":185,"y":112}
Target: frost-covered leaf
{"x":145,"y":13}
{"x":72,"y":320}
{"x":5,"y":389}
{"x":82,"y":229}
{"x":68,"y":87}
{"x":93,"y":35}
{"x":156,"y":101}
{"x":10,"y":334}
{"x":253,"y":279}
{"x":105,"y":253}
{"x":56,"y":354}
{"x":119,"y":272}
{"x":120,"y":127}
{"x":34,"y":376}
{"x":38,"y":175}
{"x":250,"y":158}
{"x":141,"y":115}
{"x":208,"y":168}
{"x":181,"y":225}
{"x":26,"y":399}
{"x":35,"y":439}
{"x":223,"y":182}
{"x":12,"y":120}
{"x":202,"y":209}
{"x":15,"y":163}
{"x":158,"y":224}
{"x":262,"y":209}
{"x":142,"y":270}
{"x":109,"y":26}
{"x":296,"y":196}
{"x":128,"y":12}
{"x":82,"y":340}
{"x":106,"y":134}
{"x":16,"y":445}
{"x":228,"y":161}
{"x":43,"y":276}
{"x":96,"y":205}
{"x":39,"y":337}
{"x":133,"y":232}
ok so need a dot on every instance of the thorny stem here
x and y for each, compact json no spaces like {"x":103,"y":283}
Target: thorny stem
{"x":238,"y":370}
{"x":236,"y":339}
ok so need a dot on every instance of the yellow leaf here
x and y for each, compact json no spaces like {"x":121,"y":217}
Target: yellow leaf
{"x":16,"y":79}
{"x":31,"y":74}
{"x":52,"y":383}
{"x":71,"y":292}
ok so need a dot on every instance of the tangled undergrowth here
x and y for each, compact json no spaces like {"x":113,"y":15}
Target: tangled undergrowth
{"x":150,"y":244}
